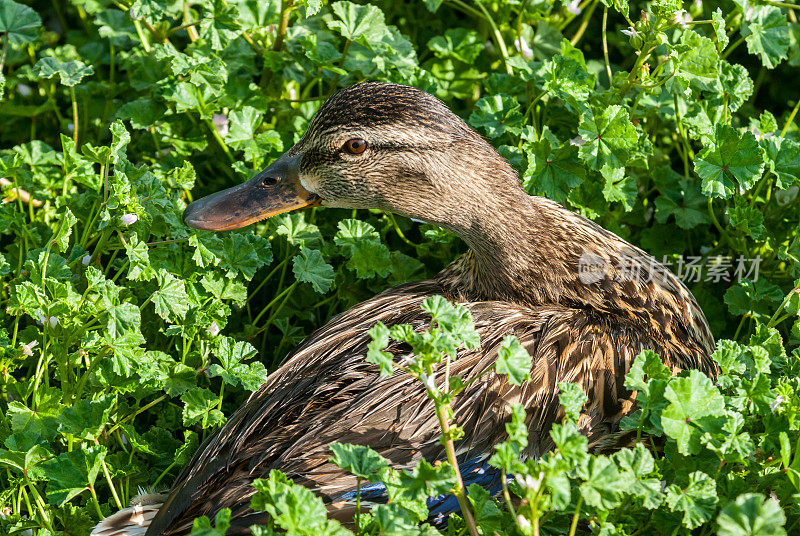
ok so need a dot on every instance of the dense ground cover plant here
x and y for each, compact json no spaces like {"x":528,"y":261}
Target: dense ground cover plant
{"x":126,"y":338}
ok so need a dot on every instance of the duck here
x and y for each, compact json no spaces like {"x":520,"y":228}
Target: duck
{"x":581,"y":300}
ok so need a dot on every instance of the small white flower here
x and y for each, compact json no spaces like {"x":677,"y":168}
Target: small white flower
{"x":577,"y":141}
{"x":221,"y":123}
{"x":573,"y":6}
{"x":129,"y":219}
{"x":292,"y":93}
{"x":40,"y":318}
{"x":777,"y":403}
{"x":27,"y":349}
{"x":630,"y":32}
{"x":523,"y":523}
{"x":24,"y":89}
{"x":682,"y":18}
{"x":429,"y":381}
{"x":86,"y":260}
{"x":530,"y":483}
{"x":524,"y":48}
{"x":53,"y":321}
{"x":213,"y":329}
{"x":698,"y":3}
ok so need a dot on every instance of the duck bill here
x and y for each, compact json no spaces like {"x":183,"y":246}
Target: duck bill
{"x":274,"y":191}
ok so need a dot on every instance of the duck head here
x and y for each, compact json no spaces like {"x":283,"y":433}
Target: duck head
{"x":372,"y":145}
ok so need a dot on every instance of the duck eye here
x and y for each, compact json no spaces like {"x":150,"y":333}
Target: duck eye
{"x":355,"y":146}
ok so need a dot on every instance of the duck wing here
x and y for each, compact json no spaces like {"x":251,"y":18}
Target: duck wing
{"x":326,"y":392}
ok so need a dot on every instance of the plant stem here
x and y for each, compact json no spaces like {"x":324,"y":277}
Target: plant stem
{"x":358,"y":503}
{"x":163,"y":473}
{"x":574,"y":525}
{"x":138,"y":411}
{"x":142,"y":38}
{"x":507,"y":495}
{"x":463,"y":502}
{"x":74,"y":115}
{"x":605,"y":45}
{"x":732,"y":47}
{"x":220,"y":141}
{"x":791,"y":119}
{"x":3,"y":54}
{"x":273,"y":302}
{"x":582,"y":28}
{"x":774,"y":320}
{"x":283,"y":24}
{"x":497,"y":36}
{"x":111,"y":485}
{"x":96,"y":502}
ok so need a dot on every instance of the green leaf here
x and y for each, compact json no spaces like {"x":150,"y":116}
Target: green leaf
{"x":70,"y":72}
{"x":73,"y":472}
{"x":358,"y":23}
{"x":310,"y":267}
{"x":222,"y":522}
{"x":457,"y":43}
{"x":751,"y":514}
{"x":565,"y":76}
{"x":18,"y":22}
{"x":293,"y":508}
{"x":572,"y":398}
{"x":150,"y":10}
{"x":694,"y":400}
{"x":602,"y":486}
{"x":552,"y":171}
{"x":506,"y":456}
{"x":142,"y":113}
{"x":232,"y":354}
{"x":200,"y":406}
{"x":87,"y":418}
{"x":359,"y":460}
{"x":697,"y":63}
{"x":749,"y":220}
{"x":375,"y":349}
{"x":697,"y":501}
{"x":497,"y":115}
{"x":361,"y":243}
{"x":619,"y":187}
{"x":513,"y":360}
{"x":732,"y":157}
{"x":426,"y":480}
{"x":783,"y":159}
{"x":767,"y":35}
{"x":752,"y":297}
{"x":65,"y":223}
{"x":718,"y":23}
{"x":170,"y":299}
{"x":609,"y":137}
{"x":681,"y":198}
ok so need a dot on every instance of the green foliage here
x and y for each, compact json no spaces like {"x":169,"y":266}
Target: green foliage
{"x":126,"y":337}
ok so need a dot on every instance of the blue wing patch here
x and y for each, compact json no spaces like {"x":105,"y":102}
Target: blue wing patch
{"x":473,"y":471}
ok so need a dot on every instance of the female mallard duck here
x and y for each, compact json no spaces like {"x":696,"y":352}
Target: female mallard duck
{"x":581,"y":300}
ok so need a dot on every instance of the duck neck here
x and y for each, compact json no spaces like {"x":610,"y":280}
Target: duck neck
{"x":507,"y":256}
{"x":531,"y":251}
